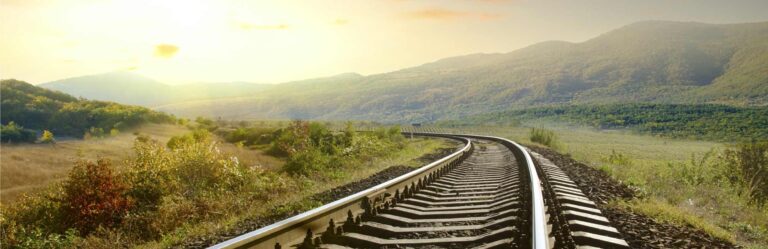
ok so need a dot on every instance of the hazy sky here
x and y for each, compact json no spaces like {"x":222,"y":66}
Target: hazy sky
{"x":183,"y":41}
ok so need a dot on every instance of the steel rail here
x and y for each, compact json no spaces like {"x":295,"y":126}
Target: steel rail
{"x":539,"y":232}
{"x":292,"y":229}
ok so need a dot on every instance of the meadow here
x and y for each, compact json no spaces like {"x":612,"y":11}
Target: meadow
{"x":26,"y":167}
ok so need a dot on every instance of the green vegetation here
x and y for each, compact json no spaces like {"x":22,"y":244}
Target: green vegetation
{"x":15,"y":133}
{"x":748,"y":167}
{"x":166,"y":190}
{"x":47,"y":137}
{"x":40,"y":109}
{"x":666,"y":213}
{"x":311,"y":147}
{"x":543,"y":136}
{"x":709,"y":122}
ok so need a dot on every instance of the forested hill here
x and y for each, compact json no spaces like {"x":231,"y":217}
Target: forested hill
{"x":36,"y":109}
{"x":707,"y":121}
{"x":656,"y":61}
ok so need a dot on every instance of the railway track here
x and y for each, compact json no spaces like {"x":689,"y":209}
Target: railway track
{"x":490,"y":193}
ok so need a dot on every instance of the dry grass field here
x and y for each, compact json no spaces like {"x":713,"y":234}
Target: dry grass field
{"x":27,"y":167}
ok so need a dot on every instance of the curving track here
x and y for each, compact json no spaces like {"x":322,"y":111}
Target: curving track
{"x":492,"y":193}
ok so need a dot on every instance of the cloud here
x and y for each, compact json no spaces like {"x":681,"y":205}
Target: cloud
{"x":166,"y":51}
{"x":250,"y":26}
{"x":340,"y":22}
{"x":446,"y":14}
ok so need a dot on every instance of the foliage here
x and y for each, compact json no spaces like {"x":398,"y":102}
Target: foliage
{"x":42,"y":109}
{"x":47,"y":137}
{"x":159,"y":190}
{"x":712,"y":122}
{"x":748,"y":164}
{"x":163,"y":190}
{"x":94,"y":196}
{"x":250,"y":136}
{"x":197,"y":136}
{"x":311,"y":147}
{"x":15,"y":133}
{"x":543,"y":136}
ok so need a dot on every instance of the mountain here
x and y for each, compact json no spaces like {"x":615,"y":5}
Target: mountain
{"x":653,"y":61}
{"x":645,"y":62}
{"x":135,"y":89}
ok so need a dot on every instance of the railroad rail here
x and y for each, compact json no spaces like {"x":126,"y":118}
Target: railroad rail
{"x":490,"y":193}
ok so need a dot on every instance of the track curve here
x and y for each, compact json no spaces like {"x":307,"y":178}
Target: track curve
{"x":491,"y":193}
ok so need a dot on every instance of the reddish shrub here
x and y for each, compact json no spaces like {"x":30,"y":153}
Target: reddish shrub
{"x":93,"y":197}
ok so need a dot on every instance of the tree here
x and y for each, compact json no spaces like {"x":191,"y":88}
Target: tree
{"x":15,"y":133}
{"x":47,"y":137}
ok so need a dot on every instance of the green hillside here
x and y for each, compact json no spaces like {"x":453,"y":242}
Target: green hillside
{"x":654,"y":61}
{"x":658,"y":62}
{"x":38,"y":109}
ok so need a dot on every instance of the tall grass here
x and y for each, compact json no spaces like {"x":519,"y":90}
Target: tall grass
{"x":543,"y":136}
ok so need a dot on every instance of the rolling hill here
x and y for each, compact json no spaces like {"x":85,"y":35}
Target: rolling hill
{"x":646,"y":62}
{"x":40,"y":109}
{"x":135,"y":89}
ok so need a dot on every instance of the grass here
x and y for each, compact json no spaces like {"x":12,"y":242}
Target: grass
{"x":666,"y":213}
{"x":677,"y":188}
{"x":298,"y":200}
{"x":27,"y":167}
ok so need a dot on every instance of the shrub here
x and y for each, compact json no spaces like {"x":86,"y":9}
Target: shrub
{"x":749,"y":168}
{"x":47,"y":137}
{"x":196,"y":136}
{"x":307,"y":161}
{"x":93,"y":197}
{"x":292,"y":139}
{"x":543,"y":136}
{"x":150,"y":173}
{"x":15,"y":133}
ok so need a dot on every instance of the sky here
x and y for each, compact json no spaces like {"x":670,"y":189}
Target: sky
{"x":187,"y":41}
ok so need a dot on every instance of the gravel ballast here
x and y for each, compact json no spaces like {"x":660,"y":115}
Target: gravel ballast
{"x":639,"y":230}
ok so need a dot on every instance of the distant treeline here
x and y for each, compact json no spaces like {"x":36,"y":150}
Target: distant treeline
{"x":36,"y":109}
{"x":704,"y":121}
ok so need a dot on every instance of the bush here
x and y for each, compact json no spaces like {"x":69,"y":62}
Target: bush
{"x":93,"y":197}
{"x":150,"y":174}
{"x":543,"y":136}
{"x":13,"y":133}
{"x":307,"y":161}
{"x":196,"y":136}
{"x":748,"y":163}
{"x":47,"y":137}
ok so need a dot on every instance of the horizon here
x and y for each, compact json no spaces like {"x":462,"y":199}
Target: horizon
{"x":328,"y":44}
